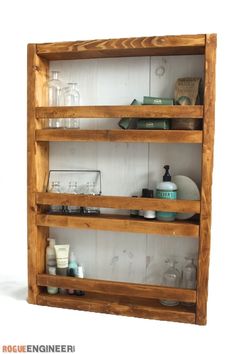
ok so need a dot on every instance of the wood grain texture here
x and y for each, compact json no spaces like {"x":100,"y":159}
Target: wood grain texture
{"x":117,"y":288}
{"x":145,"y":136}
{"x":143,"y":111}
{"x":37,"y":155}
{"x":102,"y":201}
{"x":108,"y":48}
{"x":31,"y":177}
{"x":120,"y":223}
{"x":126,"y":306}
{"x":207,"y":166}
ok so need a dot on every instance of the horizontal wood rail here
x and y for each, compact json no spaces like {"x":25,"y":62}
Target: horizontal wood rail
{"x":120,"y":223}
{"x":121,"y":47}
{"x":117,"y":202}
{"x":129,"y":136}
{"x":142,"y":111}
{"x":126,"y":306}
{"x":117,"y":288}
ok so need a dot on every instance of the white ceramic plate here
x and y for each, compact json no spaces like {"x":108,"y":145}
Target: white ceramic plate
{"x":188,"y":190}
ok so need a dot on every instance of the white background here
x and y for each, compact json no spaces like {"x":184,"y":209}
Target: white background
{"x":22,"y":22}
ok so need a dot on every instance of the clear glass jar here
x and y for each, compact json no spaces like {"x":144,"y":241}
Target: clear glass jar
{"x":189,"y":274}
{"x":56,"y":188}
{"x":90,"y":189}
{"x":171,"y":278}
{"x":71,"y":97}
{"x":73,"y":189}
{"x":54,"y":92}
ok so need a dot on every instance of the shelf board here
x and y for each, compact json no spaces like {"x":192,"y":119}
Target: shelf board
{"x":120,"y":223}
{"x":123,"y":47}
{"x":117,"y":202}
{"x":141,"y":111}
{"x":146,"y":291}
{"x":117,"y":305}
{"x":131,"y":136}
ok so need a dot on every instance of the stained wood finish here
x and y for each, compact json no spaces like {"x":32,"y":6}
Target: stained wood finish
{"x":121,"y":47}
{"x":126,"y":306}
{"x":143,"y":111}
{"x":117,"y":288}
{"x":120,"y":223}
{"x":132,"y":136}
{"x":102,"y":201}
{"x":207,"y":166}
{"x":125,"y":298}
{"x":37,"y":168}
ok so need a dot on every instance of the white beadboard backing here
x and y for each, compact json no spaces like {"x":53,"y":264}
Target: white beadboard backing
{"x":126,"y":167}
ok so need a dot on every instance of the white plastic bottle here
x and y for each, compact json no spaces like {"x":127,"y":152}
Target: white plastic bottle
{"x":166,"y":190}
{"x":51,"y":260}
{"x":51,"y":263}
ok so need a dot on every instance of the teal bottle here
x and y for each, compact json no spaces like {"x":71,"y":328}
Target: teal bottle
{"x":166,"y":190}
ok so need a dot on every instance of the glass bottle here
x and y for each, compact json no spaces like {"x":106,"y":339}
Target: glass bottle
{"x":54,"y":92}
{"x":189,"y":274}
{"x":73,"y":189}
{"x":90,"y":189}
{"x":171,"y":278}
{"x":56,"y":188}
{"x":71,"y":97}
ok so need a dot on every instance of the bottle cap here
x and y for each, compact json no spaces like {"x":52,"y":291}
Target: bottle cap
{"x":52,"y":242}
{"x":167,"y":176}
{"x":145,"y":192}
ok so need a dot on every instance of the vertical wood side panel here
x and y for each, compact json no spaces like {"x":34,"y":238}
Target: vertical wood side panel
{"x":37,"y":155}
{"x":207,"y":166}
{"x":31,"y":178}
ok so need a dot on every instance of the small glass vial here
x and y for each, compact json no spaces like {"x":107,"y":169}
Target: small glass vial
{"x":56,"y":188}
{"x":73,"y":189}
{"x":53,"y":89}
{"x":90,"y":189}
{"x":149,"y":214}
{"x":71,"y":97}
{"x":171,"y":278}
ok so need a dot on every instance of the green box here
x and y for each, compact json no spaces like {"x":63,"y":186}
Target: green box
{"x":158,"y":101}
{"x":153,"y":124}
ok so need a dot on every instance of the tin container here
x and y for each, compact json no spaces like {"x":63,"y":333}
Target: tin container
{"x":186,"y":124}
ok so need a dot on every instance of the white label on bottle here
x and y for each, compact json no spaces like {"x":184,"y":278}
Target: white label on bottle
{"x":62,"y":262}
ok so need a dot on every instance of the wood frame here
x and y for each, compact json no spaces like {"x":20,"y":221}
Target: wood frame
{"x":107,"y":296}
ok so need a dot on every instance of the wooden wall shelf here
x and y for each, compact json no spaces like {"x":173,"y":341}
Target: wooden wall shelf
{"x":129,"y":136}
{"x":139,"y":300}
{"x":117,"y":202}
{"x":123,"y":47}
{"x":144,"y":111}
{"x":117,"y":305}
{"x":118,"y":288}
{"x":120,"y":223}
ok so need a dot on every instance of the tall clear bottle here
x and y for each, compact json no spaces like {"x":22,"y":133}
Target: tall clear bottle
{"x":71,"y":97}
{"x":56,"y":188}
{"x":54,"y":91}
{"x":90,"y":189}
{"x":171,"y":278}
{"x":189,"y":274}
{"x":73,"y":189}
